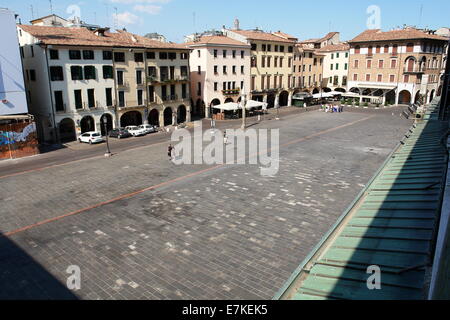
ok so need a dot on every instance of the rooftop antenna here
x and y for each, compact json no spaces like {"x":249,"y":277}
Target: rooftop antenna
{"x":193,"y":21}
{"x":51,"y":6}
{"x":32,"y":12}
{"x":108,"y":19}
{"x":420,"y":15}
{"x":115,"y":19}
{"x":95,"y":17}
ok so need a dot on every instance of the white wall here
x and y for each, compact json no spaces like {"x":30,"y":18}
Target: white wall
{"x":341,"y":72}
{"x":207,"y":62}
{"x":12,"y":87}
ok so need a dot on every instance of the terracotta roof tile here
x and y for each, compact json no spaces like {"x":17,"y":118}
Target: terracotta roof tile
{"x":85,"y":37}
{"x":285,"y":36}
{"x":261,"y":35}
{"x":219,"y":40}
{"x":404,"y":34}
{"x":335,"y":47}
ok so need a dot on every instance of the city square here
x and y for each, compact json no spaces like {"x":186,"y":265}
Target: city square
{"x":140,"y":227}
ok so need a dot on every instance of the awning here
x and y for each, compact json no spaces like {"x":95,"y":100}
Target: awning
{"x":350,"y":94}
{"x":255,"y":104}
{"x":376,"y":86}
{"x":335,"y":93}
{"x":230,"y":106}
{"x":322,"y":95}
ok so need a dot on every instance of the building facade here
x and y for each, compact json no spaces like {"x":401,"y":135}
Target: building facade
{"x":12,"y":88}
{"x":335,"y":66}
{"x":272,"y":57}
{"x":152,"y":83}
{"x":220,"y":69}
{"x":309,"y":63}
{"x":83,"y":80}
{"x":18,"y":137}
{"x":308,"y":69}
{"x":398,"y":66}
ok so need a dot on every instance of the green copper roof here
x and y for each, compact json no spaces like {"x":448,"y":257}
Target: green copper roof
{"x":392,"y":224}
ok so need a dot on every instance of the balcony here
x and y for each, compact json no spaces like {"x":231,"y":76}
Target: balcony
{"x":133,"y":104}
{"x":152,"y":79}
{"x":231,"y":92}
{"x":167,"y":80}
{"x":414,"y":70}
{"x":123,"y":84}
{"x":170,"y":98}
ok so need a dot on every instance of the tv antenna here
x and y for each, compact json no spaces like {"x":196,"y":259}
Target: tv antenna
{"x":116,"y":22}
{"x":32,"y":12}
{"x":420,"y":15}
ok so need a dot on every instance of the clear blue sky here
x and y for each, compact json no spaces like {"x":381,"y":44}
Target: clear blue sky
{"x":304,"y":19}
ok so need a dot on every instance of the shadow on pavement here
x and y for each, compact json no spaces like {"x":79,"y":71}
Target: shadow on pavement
{"x":23,"y":278}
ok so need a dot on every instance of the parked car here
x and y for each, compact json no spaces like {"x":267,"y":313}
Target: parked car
{"x":148,"y":128}
{"x":91,"y":137}
{"x":119,"y":133}
{"x":135,"y":131}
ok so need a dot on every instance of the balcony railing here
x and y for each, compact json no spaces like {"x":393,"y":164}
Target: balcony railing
{"x":123,"y":84}
{"x":413,"y":70}
{"x":231,"y":92}
{"x":169,"y":98}
{"x":152,"y":79}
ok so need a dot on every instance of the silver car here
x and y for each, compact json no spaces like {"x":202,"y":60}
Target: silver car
{"x":148,"y":128}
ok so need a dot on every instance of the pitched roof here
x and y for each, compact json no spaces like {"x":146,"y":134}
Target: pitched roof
{"x":216,"y":40}
{"x":285,"y":36}
{"x":328,"y":36}
{"x":335,"y":47}
{"x":84,"y":37}
{"x":261,"y":35}
{"x":50,"y":15}
{"x":404,"y":34}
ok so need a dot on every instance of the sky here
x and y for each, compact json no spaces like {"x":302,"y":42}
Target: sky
{"x":303,"y":19}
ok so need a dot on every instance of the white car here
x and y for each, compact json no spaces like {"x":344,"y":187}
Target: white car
{"x":136,"y":131}
{"x":148,"y":128}
{"x":91,"y":137}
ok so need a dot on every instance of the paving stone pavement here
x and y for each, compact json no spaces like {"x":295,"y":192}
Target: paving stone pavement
{"x":227,"y":233}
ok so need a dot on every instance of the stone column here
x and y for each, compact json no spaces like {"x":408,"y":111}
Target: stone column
{"x":207,"y":111}
{"x":290,"y":100}
{"x":174,"y":118}
{"x":397,"y":96}
{"x":161,"y":118}
{"x":145,"y":116}
{"x":188,"y":113}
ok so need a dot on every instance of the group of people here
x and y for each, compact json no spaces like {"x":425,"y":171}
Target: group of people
{"x":332,"y":108}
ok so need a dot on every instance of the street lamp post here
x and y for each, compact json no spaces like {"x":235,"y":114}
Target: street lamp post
{"x":105,"y":124}
{"x":243,"y":104}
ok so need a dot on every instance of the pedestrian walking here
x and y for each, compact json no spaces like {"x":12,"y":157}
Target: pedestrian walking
{"x":225,"y":138}
{"x":170,"y":149}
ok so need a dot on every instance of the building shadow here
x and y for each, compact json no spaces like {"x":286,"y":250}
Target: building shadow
{"x":23,"y":278}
